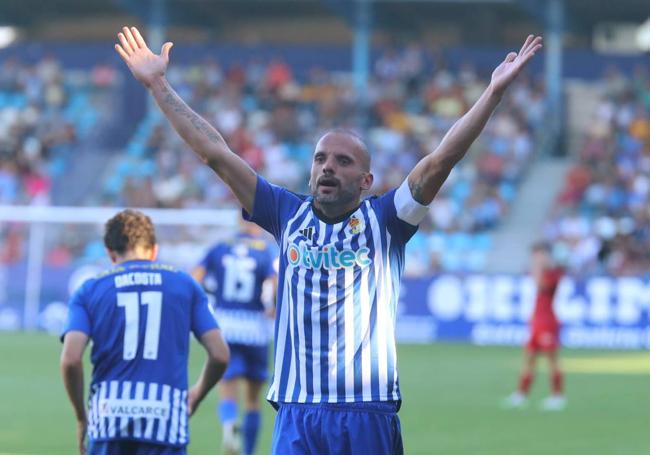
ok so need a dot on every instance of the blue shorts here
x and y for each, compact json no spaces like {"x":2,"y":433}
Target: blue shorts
{"x":132,"y":448}
{"x":341,"y":429}
{"x":250,"y":362}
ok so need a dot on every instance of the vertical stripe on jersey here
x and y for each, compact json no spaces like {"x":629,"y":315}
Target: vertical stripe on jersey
{"x":103,"y":394}
{"x":291,"y":379}
{"x":321,"y":326}
{"x":359,"y":323}
{"x":299,"y":291}
{"x":94,"y":412}
{"x":162,"y":424}
{"x":124,"y":421}
{"x":332,"y":321}
{"x":315,"y":348}
{"x":137,"y":424}
{"x":282,"y":322}
{"x":283,"y":351}
{"x":173,"y":427}
{"x":305,"y":319}
{"x":371,"y":235}
{"x":182,"y":438}
{"x":366,"y":335}
{"x":381,"y":304}
{"x":112,"y":395}
{"x":151,"y":395}
{"x":341,"y":331}
{"x":396,"y":271}
{"x":295,"y":389}
{"x":290,"y":305}
{"x":374,"y":345}
{"x":390,"y":323}
{"x":297,"y":393}
{"x":351,"y":320}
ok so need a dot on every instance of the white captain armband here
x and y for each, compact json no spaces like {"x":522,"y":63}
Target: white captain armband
{"x":408,"y":209}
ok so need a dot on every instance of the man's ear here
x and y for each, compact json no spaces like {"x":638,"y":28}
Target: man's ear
{"x":366,"y":181}
{"x":154,"y":252}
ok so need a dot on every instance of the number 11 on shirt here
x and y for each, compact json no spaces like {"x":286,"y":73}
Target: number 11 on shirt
{"x":131,"y":301}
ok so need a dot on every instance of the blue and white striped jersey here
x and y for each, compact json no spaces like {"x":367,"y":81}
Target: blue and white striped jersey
{"x":235,"y":272}
{"x":139,"y":316}
{"x":337,"y":297}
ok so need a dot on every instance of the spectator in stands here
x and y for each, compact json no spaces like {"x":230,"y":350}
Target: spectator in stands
{"x":602,"y":216}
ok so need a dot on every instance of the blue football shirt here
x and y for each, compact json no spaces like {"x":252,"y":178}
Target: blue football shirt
{"x":235,"y":273}
{"x":139,"y":316}
{"x":337,"y":295}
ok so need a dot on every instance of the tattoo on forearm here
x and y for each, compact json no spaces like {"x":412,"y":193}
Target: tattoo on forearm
{"x":178,"y":106}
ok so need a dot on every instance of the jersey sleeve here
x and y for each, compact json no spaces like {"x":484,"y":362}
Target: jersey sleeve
{"x":78,"y":319}
{"x":202,"y":318}
{"x":401,"y":212}
{"x":272,"y":207}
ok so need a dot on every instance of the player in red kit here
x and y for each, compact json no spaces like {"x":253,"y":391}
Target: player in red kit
{"x":544,"y":333}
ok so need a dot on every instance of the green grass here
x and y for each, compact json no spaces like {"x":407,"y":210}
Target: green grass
{"x":451,"y":403}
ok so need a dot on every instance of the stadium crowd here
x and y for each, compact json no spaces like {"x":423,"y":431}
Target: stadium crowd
{"x":45,"y":111}
{"x":272,"y":118}
{"x":601,"y":221}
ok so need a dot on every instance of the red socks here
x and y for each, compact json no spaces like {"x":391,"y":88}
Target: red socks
{"x":524,"y":383}
{"x":557,"y":383}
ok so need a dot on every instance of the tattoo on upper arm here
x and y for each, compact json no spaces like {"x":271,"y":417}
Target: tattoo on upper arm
{"x":417,"y":188}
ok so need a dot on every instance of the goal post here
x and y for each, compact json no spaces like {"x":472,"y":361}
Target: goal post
{"x":196,"y":226}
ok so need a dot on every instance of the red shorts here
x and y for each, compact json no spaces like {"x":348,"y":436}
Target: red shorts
{"x":546,"y":339}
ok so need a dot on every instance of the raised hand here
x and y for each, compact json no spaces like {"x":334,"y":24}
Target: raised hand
{"x":144,"y":64}
{"x":514,"y":62}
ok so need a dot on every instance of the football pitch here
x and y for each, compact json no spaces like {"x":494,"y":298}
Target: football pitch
{"x":451,"y":405}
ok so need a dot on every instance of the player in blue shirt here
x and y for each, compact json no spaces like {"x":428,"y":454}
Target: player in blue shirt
{"x":335,"y":382}
{"x":238,"y":273}
{"x":139,"y":316}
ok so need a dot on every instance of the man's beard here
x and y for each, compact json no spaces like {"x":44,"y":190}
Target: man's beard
{"x":342,"y":197}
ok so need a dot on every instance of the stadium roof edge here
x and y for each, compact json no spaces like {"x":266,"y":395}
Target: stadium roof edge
{"x":490,"y":17}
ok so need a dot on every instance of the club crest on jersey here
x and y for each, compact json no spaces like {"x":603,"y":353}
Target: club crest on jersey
{"x":327,"y":257}
{"x":355,"y":225}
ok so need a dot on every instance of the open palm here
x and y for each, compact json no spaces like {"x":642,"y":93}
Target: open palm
{"x":514,"y":62}
{"x":144,"y":64}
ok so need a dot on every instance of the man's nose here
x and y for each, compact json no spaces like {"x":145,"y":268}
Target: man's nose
{"x":329,"y":166}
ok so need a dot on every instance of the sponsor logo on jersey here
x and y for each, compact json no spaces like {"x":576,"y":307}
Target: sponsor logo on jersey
{"x":115,"y":407}
{"x":327,"y":257}
{"x":307,"y":232}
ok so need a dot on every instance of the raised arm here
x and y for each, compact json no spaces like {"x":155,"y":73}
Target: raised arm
{"x":199,"y":135}
{"x":431,"y":172}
